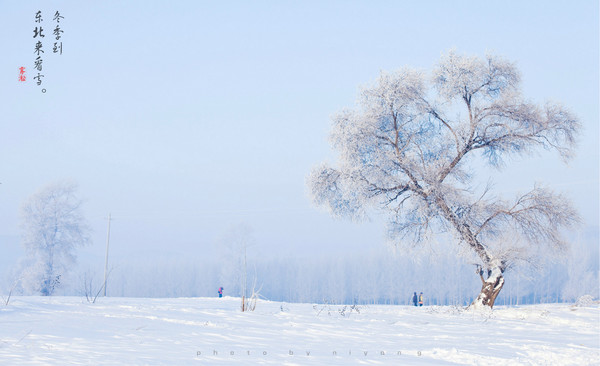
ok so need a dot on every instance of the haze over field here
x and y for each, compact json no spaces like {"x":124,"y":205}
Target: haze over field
{"x":183,"y":119}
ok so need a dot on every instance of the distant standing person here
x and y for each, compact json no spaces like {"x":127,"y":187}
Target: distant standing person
{"x":414,"y":299}
{"x":220,"y":291}
{"x":420,"y":299}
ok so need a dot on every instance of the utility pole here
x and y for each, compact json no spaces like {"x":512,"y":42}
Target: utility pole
{"x":245,"y":280}
{"x":106,"y":262}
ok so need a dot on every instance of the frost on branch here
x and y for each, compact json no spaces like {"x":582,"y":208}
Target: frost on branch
{"x":407,"y":149}
{"x":472,"y":78}
{"x":340,"y":193}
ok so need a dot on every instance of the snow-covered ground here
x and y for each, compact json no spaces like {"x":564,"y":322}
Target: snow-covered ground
{"x":212,"y":331}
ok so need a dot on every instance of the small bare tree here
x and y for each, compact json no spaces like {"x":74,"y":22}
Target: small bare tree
{"x":249,"y":303}
{"x":408,"y":150}
{"x":14,"y":285}
{"x":89,"y":288}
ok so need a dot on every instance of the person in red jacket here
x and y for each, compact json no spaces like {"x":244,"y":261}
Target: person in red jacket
{"x":220,"y":291}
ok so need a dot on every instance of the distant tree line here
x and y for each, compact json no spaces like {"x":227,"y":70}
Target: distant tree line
{"x":378,"y":277}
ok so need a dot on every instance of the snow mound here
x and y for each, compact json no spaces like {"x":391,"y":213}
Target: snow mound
{"x":584,"y":301}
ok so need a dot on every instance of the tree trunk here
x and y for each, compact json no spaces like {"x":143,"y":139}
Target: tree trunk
{"x":490,"y":288}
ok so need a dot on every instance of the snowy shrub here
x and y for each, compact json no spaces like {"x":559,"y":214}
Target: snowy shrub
{"x":585,"y":300}
{"x":343,"y":310}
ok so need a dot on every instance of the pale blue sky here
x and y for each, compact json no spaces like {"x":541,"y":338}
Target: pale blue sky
{"x":183,"y":117}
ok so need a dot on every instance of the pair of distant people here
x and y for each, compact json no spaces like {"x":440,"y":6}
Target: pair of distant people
{"x":418,"y":299}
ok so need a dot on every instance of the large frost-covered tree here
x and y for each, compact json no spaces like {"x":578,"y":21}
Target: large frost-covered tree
{"x":409,"y":150}
{"x":53,"y":226}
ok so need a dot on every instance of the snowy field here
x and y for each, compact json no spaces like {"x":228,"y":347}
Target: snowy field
{"x":212,"y":331}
